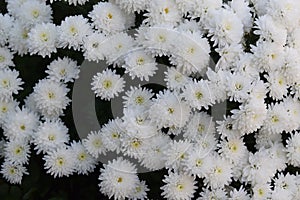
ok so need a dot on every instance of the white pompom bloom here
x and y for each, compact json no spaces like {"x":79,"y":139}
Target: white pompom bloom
{"x":112,"y":133}
{"x":168,"y":110}
{"x":60,"y":162}
{"x":198,"y":161}
{"x":199,"y":94}
{"x":84,"y":162}
{"x":140,"y":191}
{"x":199,"y":126}
{"x":117,"y":46}
{"x":72,"y":31}
{"x":277,"y":85}
{"x":261,"y":191}
{"x":175,"y":80}
{"x":175,"y":154}
{"x":109,"y":18}
{"x":240,"y":194}
{"x":293,"y":149}
{"x":34,"y":12}
{"x":285,"y":186}
{"x":20,"y":124}
{"x":49,"y":136}
{"x":233,"y":149}
{"x":162,"y":12}
{"x":9,"y":84}
{"x":107,"y":84}
{"x":215,"y":193}
{"x":94,"y":144}
{"x":225,"y":27}
{"x":51,"y":98}
{"x":191,"y":53}
{"x":178,"y":186}
{"x":65,"y":70}
{"x":6,"y":108}
{"x":139,"y":64}
{"x":13,"y":172}
{"x":154,"y":159}
{"x":137,"y":97}
{"x":243,"y":11}
{"x":158,"y":40}
{"x":6,"y":58}
{"x":6,"y":22}
{"x":93,"y":47}
{"x":18,"y":38}
{"x":219,"y":173}
{"x":43,"y":39}
{"x":17,"y":151}
{"x":131,"y":6}
{"x":118,"y":179}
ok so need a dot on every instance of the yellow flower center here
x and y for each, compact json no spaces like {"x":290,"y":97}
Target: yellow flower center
{"x":22,"y":127}
{"x":73,"y":30}
{"x":198,"y":163}
{"x":120,"y":179}
{"x":4,"y":109}
{"x":139,"y":100}
{"x":161,"y":38}
{"x":107,"y":84}
{"x":275,"y":119}
{"x":109,"y":16}
{"x":44,"y":37}
{"x":51,"y":95}
{"x":97,"y":143}
{"x":238,"y":86}
{"x":18,"y":150}
{"x":140,"y":61}
{"x":136,"y":143}
{"x":115,"y":135}
{"x":171,"y":110}
{"x":82,"y":156}
{"x":260,"y":192}
{"x":201,"y":128}
{"x":35,"y":13}
{"x":51,"y":137}
{"x":2,"y":58}
{"x":62,"y":72}
{"x":60,"y":161}
{"x":180,"y":186}
{"x":198,"y":95}
{"x":5,"y":83}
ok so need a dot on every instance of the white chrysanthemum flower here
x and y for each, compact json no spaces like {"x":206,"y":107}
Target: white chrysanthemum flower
{"x":131,"y":6}
{"x":219,"y":173}
{"x":243,"y":11}
{"x":261,"y":191}
{"x":17,"y":151}
{"x":93,"y":47}
{"x":218,"y":83}
{"x":158,"y":40}
{"x":6,"y":22}
{"x":203,"y":8}
{"x":65,"y":70}
{"x":34,"y":12}
{"x":178,"y":186}
{"x":137,"y":97}
{"x":118,"y":179}
{"x":112,"y":133}
{"x":270,"y":30}
{"x":225,"y":27}
{"x":233,"y":149}
{"x":185,"y":6}
{"x":72,"y":31}
{"x":199,"y":126}
{"x":20,"y":124}
{"x":293,"y":149}
{"x":107,"y":84}
{"x":60,"y":162}
{"x":238,"y":87}
{"x":50,"y":98}
{"x":229,"y":56}
{"x":286,"y":12}
{"x":109,"y":18}
{"x":6,"y":108}
{"x":291,"y":65}
{"x":267,"y":56}
{"x":169,"y":110}
{"x":162,"y":12}
{"x":285,"y":186}
{"x":225,"y":128}
{"x":18,"y":38}
{"x":264,"y":139}
{"x":84,"y":162}
{"x":140,"y":191}
{"x":276,"y":120}
{"x":249,"y":117}
{"x":277,"y":85}
{"x":117,"y":46}
{"x":292,"y":106}
{"x":175,"y":80}
{"x":260,"y":168}
{"x":239,"y":194}
{"x":43,"y":39}
{"x":6,"y":58}
{"x":49,"y":136}
{"x":198,"y":161}
{"x":94,"y":144}
{"x":191,"y":53}
{"x":175,"y":154}
{"x":9,"y":84}
{"x":139,"y":64}
{"x":13,"y":172}
{"x":154,"y":159}
{"x":199,"y":94}
{"x":215,"y":193}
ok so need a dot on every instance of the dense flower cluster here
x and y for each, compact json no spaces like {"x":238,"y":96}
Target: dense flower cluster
{"x":257,"y":48}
